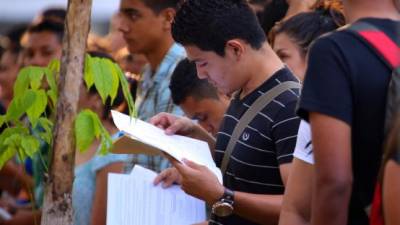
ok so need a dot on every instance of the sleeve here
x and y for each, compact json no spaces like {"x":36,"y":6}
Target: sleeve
{"x":303,"y":149}
{"x":164,"y":101}
{"x":327,"y":86}
{"x":100,"y":162}
{"x":284,"y":132}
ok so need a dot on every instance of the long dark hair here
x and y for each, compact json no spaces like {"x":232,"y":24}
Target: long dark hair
{"x":305,"y":27}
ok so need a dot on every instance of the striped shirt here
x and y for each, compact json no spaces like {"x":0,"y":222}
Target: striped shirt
{"x":267,"y":142}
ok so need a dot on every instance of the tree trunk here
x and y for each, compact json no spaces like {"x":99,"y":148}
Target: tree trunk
{"x":57,"y":208}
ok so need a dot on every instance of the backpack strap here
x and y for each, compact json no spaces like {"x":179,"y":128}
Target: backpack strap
{"x":385,"y":47}
{"x":248,"y":116}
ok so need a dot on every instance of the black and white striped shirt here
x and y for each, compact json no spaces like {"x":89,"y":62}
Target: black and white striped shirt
{"x":267,"y":142}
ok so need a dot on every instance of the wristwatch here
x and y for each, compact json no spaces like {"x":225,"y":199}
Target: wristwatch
{"x":224,"y":206}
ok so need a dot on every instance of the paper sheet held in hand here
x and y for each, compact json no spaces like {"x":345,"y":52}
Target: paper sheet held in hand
{"x":140,"y":137}
{"x":134,"y":200}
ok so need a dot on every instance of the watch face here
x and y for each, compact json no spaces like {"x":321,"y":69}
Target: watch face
{"x":223,"y":209}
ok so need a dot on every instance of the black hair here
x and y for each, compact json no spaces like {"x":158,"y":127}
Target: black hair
{"x":158,"y":5}
{"x":11,"y":41}
{"x":55,"y":14}
{"x":184,"y":83}
{"x":50,"y":26}
{"x":304,"y":28}
{"x":210,"y":24}
{"x":274,"y":12}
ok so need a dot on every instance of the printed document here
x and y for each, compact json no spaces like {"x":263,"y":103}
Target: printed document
{"x":140,"y":137}
{"x":134,"y":200}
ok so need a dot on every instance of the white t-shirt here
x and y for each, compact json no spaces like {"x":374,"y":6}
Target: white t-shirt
{"x":303,"y":149}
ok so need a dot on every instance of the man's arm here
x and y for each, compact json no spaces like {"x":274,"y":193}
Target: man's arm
{"x":199,"y":182}
{"x":391,"y":193}
{"x":296,"y":206}
{"x":333,"y":170}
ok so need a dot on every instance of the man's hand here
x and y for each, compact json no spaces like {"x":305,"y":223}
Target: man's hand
{"x":198,"y":181}
{"x":168,"y":177}
{"x":183,"y":126}
{"x":173,"y":124}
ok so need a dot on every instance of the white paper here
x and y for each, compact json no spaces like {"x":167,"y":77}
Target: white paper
{"x":179,"y":147}
{"x":134,"y":200}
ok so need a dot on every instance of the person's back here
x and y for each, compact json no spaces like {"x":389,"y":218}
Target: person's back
{"x":345,"y":89}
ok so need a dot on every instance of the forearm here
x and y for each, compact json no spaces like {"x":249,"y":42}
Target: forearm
{"x":333,"y":178}
{"x":330,"y":203}
{"x":296,"y":206}
{"x":263,"y":209}
{"x":391,"y":193}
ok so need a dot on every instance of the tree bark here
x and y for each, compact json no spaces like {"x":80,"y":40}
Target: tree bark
{"x":57,"y":208}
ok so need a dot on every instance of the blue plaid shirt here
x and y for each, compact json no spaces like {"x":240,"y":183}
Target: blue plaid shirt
{"x":153,"y":97}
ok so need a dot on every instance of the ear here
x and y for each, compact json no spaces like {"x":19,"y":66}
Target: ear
{"x":168,"y":16}
{"x":235,"y":48}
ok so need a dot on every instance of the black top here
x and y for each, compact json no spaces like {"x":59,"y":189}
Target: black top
{"x":348,"y":81}
{"x":267,"y":142}
{"x":396,"y":156}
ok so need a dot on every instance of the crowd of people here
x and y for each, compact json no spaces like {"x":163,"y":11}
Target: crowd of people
{"x":297,"y":100}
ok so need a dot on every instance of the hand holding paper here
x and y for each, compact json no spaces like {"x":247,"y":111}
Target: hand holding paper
{"x":144,"y":138}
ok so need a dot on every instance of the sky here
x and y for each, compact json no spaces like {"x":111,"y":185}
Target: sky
{"x":25,"y":10}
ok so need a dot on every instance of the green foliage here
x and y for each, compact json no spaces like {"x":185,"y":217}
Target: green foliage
{"x":36,"y":94}
{"x":88,"y":127}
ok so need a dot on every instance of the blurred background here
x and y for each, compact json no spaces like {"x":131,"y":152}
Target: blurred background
{"x":13,"y":12}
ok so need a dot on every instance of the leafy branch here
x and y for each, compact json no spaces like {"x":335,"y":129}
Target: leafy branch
{"x":30,"y":120}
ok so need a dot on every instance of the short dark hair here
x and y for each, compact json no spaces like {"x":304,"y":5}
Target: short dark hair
{"x":305,"y":27}
{"x":55,"y":14}
{"x":158,"y":5}
{"x":210,"y":24}
{"x":184,"y":83}
{"x":13,"y":38}
{"x":50,"y":26}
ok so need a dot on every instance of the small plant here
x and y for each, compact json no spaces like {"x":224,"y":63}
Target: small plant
{"x":31,"y":114}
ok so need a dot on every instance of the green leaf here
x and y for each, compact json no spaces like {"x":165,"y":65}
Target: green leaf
{"x":102,"y":79}
{"x":46,"y":130}
{"x":22,"y":82}
{"x":97,"y":125}
{"x":3,"y":119}
{"x":30,"y":145}
{"x":46,"y":124}
{"x":54,"y":66}
{"x":6,"y":154}
{"x":84,"y":130}
{"x":111,"y":71}
{"x":53,"y":97}
{"x":105,"y":144}
{"x":38,"y":107}
{"x":19,"y":105}
{"x":14,"y":141}
{"x":36,"y":77}
{"x":88,"y":74}
{"x":51,"y":79}
{"x":9,"y":131}
{"x":125,"y":89}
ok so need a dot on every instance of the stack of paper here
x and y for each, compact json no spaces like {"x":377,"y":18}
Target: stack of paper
{"x":134,"y":200}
